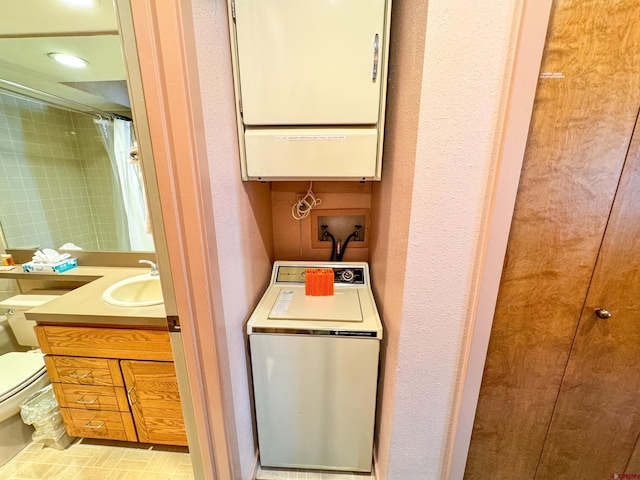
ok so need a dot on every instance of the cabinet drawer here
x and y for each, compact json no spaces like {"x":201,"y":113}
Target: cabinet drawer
{"x":132,"y":343}
{"x":91,"y":397}
{"x":99,"y":424}
{"x":84,"y":371}
{"x":327,"y":152}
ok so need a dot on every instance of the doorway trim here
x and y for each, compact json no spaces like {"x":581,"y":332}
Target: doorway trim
{"x":159,"y":49}
{"x":532,"y":30}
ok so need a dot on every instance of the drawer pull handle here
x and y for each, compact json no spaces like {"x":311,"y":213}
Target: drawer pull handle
{"x":88,"y":425}
{"x":131,"y":402}
{"x":75,"y":374}
{"x":82,"y":401}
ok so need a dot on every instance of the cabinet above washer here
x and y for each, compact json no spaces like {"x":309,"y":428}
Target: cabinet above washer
{"x":319,"y":68}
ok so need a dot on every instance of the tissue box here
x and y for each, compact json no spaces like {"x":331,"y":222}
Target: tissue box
{"x":59,"y":267}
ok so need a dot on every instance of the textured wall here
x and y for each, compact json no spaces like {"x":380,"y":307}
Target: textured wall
{"x":242,"y":216}
{"x":391,"y":203}
{"x":467,"y":58}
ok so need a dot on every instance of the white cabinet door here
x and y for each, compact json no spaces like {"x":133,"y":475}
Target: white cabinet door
{"x":310,"y":62}
{"x":315,"y":400}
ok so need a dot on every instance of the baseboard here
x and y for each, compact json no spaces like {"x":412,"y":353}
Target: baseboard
{"x":376,"y":472}
{"x":256,"y":465}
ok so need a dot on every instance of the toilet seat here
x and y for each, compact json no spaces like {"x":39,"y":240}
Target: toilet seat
{"x":19,"y":370}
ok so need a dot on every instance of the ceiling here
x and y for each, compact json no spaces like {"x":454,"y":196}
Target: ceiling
{"x":30,"y":29}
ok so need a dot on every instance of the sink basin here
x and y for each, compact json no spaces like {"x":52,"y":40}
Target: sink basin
{"x":139,"y":291}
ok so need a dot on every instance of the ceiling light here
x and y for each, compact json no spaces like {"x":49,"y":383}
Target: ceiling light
{"x":68,"y":60}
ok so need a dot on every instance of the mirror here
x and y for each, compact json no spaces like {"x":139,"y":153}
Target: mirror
{"x":65,"y":135}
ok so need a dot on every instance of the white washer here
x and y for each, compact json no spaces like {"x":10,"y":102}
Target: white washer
{"x":315,"y":369}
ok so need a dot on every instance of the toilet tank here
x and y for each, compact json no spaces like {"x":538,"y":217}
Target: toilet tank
{"x":15,"y":307}
{"x":8,"y":341}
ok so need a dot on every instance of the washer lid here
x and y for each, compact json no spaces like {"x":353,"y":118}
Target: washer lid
{"x":293,"y":304}
{"x":18,"y":368}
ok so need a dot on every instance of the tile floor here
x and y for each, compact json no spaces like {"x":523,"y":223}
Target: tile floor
{"x":95,"y":460}
{"x":280,"y":474}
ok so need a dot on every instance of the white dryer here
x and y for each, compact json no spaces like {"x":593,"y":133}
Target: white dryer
{"x":315,"y":369}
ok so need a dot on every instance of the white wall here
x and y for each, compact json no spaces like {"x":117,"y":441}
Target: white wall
{"x":467,"y":60}
{"x":391,"y":204}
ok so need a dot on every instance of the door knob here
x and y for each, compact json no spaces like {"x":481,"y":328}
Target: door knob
{"x":603,"y":313}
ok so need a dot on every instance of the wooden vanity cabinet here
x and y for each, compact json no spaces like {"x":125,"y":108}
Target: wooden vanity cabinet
{"x":155,"y":401}
{"x":114,"y":383}
{"x":90,"y":392}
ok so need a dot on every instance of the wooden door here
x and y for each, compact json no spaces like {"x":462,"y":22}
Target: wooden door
{"x":596,"y":422}
{"x":155,"y":401}
{"x":584,"y":116}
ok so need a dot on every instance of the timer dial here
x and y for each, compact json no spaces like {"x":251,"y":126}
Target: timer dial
{"x":347,"y":275}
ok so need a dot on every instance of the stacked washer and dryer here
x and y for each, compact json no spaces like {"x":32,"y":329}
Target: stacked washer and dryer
{"x":315,"y":369}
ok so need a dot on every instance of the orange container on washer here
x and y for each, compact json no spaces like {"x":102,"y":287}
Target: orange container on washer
{"x":318,"y":282}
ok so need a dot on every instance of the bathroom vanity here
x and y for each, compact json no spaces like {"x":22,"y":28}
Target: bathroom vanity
{"x":111,"y":367}
{"x":114,"y":383}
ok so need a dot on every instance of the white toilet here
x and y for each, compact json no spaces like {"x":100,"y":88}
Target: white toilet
{"x":22,"y":370}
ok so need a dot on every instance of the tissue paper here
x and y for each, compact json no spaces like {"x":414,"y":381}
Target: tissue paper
{"x":70,"y":246}
{"x":48,"y":255}
{"x":48,"y":260}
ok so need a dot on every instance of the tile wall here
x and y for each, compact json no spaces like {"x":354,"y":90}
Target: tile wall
{"x":8,"y":288}
{"x":54,"y":187}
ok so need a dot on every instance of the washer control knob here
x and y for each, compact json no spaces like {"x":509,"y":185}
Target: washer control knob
{"x":347,"y":275}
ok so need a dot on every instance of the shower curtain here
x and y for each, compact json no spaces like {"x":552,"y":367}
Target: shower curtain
{"x":117,"y":137}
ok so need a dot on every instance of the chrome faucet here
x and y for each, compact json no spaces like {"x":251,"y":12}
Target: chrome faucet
{"x":154,"y":267}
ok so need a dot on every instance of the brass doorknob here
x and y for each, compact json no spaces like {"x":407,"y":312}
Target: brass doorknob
{"x":603,"y":313}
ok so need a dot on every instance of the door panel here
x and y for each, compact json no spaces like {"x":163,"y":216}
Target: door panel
{"x":309,"y":62}
{"x":634,"y":460}
{"x":314,"y":400}
{"x":597,"y":418}
{"x":155,"y":401}
{"x":582,"y":122}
